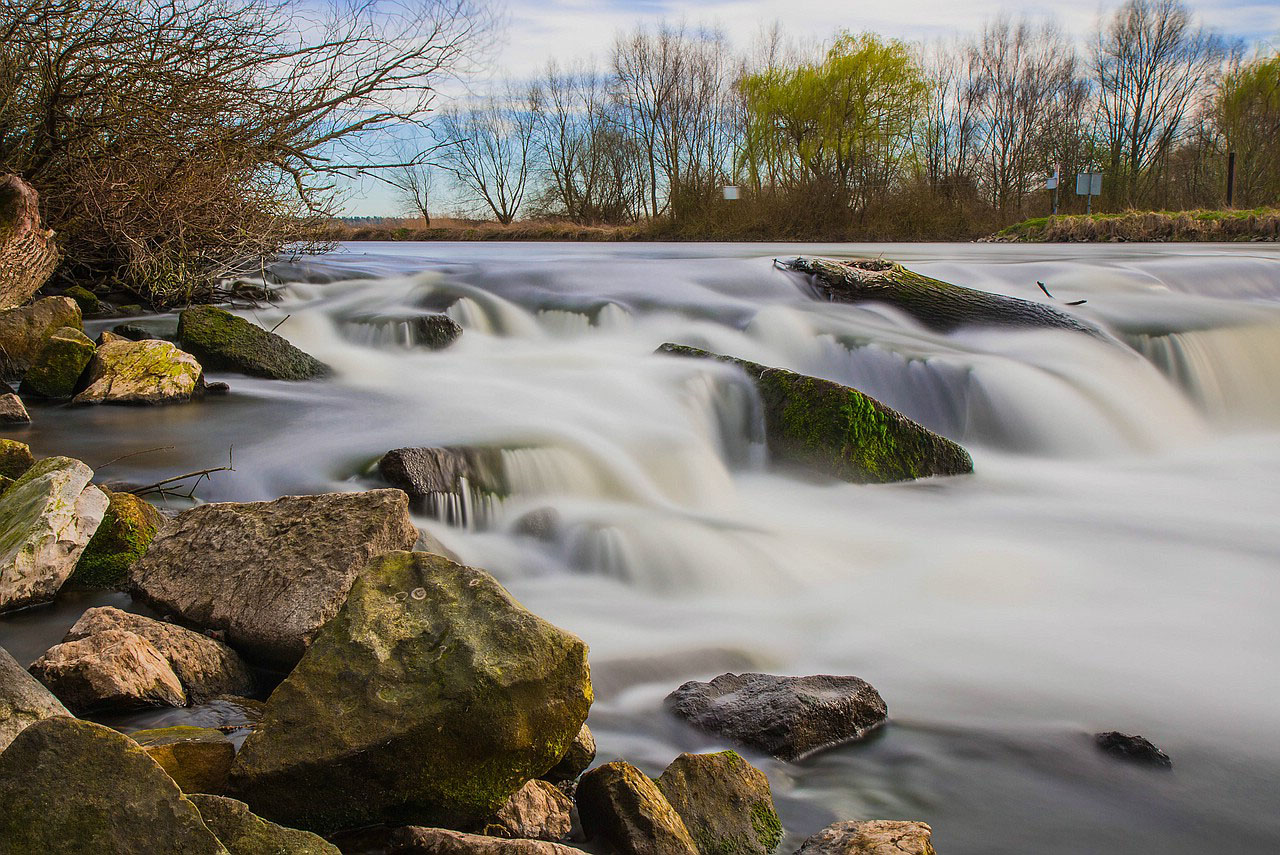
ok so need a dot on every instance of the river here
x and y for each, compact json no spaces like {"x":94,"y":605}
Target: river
{"x":1112,"y":564}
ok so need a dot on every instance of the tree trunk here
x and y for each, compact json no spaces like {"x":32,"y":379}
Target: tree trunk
{"x":28,"y":255}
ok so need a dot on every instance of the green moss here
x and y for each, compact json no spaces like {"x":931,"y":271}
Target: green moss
{"x":57,"y":367}
{"x":767,"y":825}
{"x":87,"y":300}
{"x":126,"y":531}
{"x":223,"y":341}
{"x":15,"y":459}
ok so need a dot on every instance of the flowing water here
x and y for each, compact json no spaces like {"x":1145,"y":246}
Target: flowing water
{"x":1113,"y":562}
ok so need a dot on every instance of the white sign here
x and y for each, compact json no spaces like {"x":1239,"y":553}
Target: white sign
{"x":1089,"y":184}
{"x":1052,"y":182}
{"x":730,"y":193}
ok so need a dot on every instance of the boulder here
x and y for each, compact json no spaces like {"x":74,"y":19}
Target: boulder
{"x":431,"y":697}
{"x":435,"y":331}
{"x":12,"y":410}
{"x":197,"y":758}
{"x":206,"y":668}
{"x":619,"y":803}
{"x":139,"y":372}
{"x":270,"y":574}
{"x":28,"y":254}
{"x":536,"y":811}
{"x":23,"y":701}
{"x":581,"y":753}
{"x":413,"y":840}
{"x":788,"y":717}
{"x":133,"y":332}
{"x":15,"y":459}
{"x":127,"y":529}
{"x":821,"y":425}
{"x":423,"y":472}
{"x":46,"y":519}
{"x":56,"y":369}
{"x":725,"y":802}
{"x":1135,"y":749}
{"x":111,"y":670}
{"x":70,"y":787}
{"x":245,"y":834}
{"x":24,"y":331}
{"x":872,"y":837}
{"x":87,"y":300}
{"x":225,"y":342}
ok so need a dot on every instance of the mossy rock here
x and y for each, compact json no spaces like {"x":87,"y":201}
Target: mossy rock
{"x":87,"y":300}
{"x":725,"y":803}
{"x":243,"y":833}
{"x":821,"y":425}
{"x":57,"y":367}
{"x":23,"y":331}
{"x":225,"y":342}
{"x":15,"y":459}
{"x":429,"y":699}
{"x":619,"y":803}
{"x":122,"y":538}
{"x":197,"y":758}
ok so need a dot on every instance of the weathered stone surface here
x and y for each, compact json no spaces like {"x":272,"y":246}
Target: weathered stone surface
{"x":270,"y":573}
{"x":431,"y":697}
{"x":206,"y":668}
{"x":725,"y":802}
{"x":872,"y":837}
{"x":70,"y":787}
{"x":225,"y":342}
{"x":620,"y":804}
{"x":788,"y":717}
{"x":23,"y":701}
{"x":46,"y":519}
{"x":127,"y":529}
{"x":1136,"y":749}
{"x":56,"y":369}
{"x":12,"y":410}
{"x":28,"y":254}
{"x":24,"y":331}
{"x":422,"y":472}
{"x":576,"y":760}
{"x":413,"y":840}
{"x":140,"y":372}
{"x":15,"y":458}
{"x":536,"y":811}
{"x":109,"y":670}
{"x":197,"y":758}
{"x":827,"y":427}
{"x":243,"y":833}
{"x":436,"y":331}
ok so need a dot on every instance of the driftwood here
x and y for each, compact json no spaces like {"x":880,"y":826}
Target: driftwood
{"x":28,"y":255}
{"x":168,"y":486}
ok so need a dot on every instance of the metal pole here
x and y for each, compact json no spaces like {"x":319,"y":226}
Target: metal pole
{"x":1088,"y":205}
{"x":1231,"y":178}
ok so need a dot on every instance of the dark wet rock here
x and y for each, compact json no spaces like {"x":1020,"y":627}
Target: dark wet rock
{"x":23,"y":700}
{"x":127,"y":529}
{"x":112,"y":670}
{"x":28,"y":253}
{"x":725,"y":802}
{"x":830,"y":428}
{"x":413,"y":840}
{"x":24,"y":331}
{"x":431,"y":697}
{"x":132,"y":332}
{"x":270,"y":574}
{"x":225,"y":342}
{"x":206,"y":668}
{"x":788,"y":717}
{"x":197,"y":758}
{"x":422,"y":472}
{"x":581,"y":753}
{"x":56,"y":369}
{"x":139,"y":372}
{"x":618,"y":803}
{"x":87,"y":300}
{"x":872,"y":837}
{"x":436,"y":331}
{"x":12,"y":410}
{"x":536,"y":811}
{"x":74,"y":787}
{"x":217,"y":388}
{"x":1136,"y":749}
{"x":15,"y":459}
{"x":243,"y":833}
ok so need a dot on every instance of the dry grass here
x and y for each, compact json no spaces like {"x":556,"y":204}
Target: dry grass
{"x":1261,"y":224}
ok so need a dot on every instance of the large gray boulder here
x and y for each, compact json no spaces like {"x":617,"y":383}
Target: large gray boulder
{"x":139,"y":372}
{"x":430,"y":698}
{"x":112,"y":670}
{"x":270,"y":574}
{"x":871,"y":837}
{"x":788,"y":717}
{"x":24,"y":331}
{"x":725,"y":803}
{"x":71,"y":787}
{"x":618,"y":803}
{"x":23,"y":701}
{"x":28,"y":254}
{"x":46,"y":519}
{"x":226,"y":342}
{"x":243,"y":833}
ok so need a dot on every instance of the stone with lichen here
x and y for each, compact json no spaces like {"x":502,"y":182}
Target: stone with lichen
{"x":56,"y":369}
{"x":725,"y":802}
{"x":226,"y":342}
{"x":139,"y":372}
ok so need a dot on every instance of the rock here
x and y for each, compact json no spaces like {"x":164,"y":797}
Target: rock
{"x":788,"y":717}
{"x":15,"y":459}
{"x":56,"y":369}
{"x":827,"y":427}
{"x":436,"y":331}
{"x":133,"y":332}
{"x":581,"y":753}
{"x":1136,"y":749}
{"x":206,"y":668}
{"x":197,"y":758}
{"x":110,"y":670}
{"x":28,"y":254}
{"x":872,"y":837}
{"x":23,"y":701}
{"x":536,"y":811}
{"x":423,"y":472}
{"x":127,"y":529}
{"x":46,"y":519}
{"x":725,"y":802}
{"x":74,"y":787}
{"x":413,"y":840}
{"x":24,"y":331}
{"x":224,"y":342}
{"x":270,"y":574}
{"x":140,"y":372}
{"x":13,"y":411}
{"x":87,"y":300}
{"x":619,"y":803}
{"x":431,"y":697}
{"x":245,"y":834}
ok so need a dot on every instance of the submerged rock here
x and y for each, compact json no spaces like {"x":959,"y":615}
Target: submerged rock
{"x":56,"y":369}
{"x":226,"y":342}
{"x":536,"y":811}
{"x":832,"y":428}
{"x":28,"y":254}
{"x":270,"y":573}
{"x":23,"y":700}
{"x":74,"y":787}
{"x":872,"y":837}
{"x":430,"y":698}
{"x":197,"y":758}
{"x":46,"y":519}
{"x":423,"y":472}
{"x":24,"y":331}
{"x":581,"y":753}
{"x":788,"y":717}
{"x":111,"y":670}
{"x":243,"y":833}
{"x":140,"y":372}
{"x":413,"y":840}
{"x":127,"y":529}
{"x":725,"y":802}
{"x":1136,"y":749}
{"x":618,"y":803}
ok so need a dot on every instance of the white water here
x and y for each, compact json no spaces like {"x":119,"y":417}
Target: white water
{"x":1113,"y":563}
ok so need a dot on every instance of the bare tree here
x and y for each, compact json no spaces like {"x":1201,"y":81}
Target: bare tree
{"x":415,"y":183}
{"x":488,"y":148}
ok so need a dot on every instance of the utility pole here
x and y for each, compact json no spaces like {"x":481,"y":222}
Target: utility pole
{"x":1231,"y":179}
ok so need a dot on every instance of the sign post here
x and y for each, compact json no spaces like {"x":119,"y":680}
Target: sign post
{"x":1089,"y":184}
{"x":1052,"y":184}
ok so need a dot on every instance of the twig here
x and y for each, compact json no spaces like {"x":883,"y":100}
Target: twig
{"x":282,"y":320}
{"x":199,"y":475}
{"x":134,"y":454}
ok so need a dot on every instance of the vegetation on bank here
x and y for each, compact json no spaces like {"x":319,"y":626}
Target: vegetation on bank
{"x":1259,"y":224}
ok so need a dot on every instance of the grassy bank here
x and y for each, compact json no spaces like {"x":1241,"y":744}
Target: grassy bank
{"x":1247,"y":225}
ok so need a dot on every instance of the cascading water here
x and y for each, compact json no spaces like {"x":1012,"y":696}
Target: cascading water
{"x":1113,"y":563}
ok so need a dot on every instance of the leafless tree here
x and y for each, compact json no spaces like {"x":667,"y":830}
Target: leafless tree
{"x":489,"y":148}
